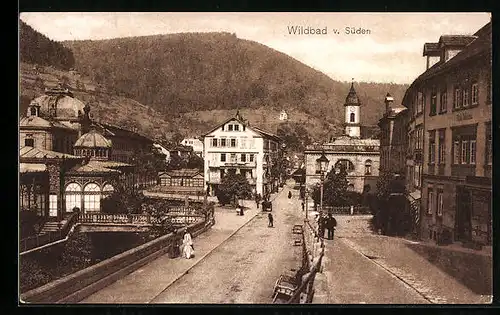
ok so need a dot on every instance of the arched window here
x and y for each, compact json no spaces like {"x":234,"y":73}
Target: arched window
{"x":368,"y":167}
{"x":92,"y":198}
{"x":107,"y":189}
{"x":73,"y":195}
{"x":345,"y":163}
{"x":352,"y":117}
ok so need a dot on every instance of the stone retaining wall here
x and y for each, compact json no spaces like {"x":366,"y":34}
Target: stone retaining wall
{"x":77,"y":286}
{"x":475,"y":270}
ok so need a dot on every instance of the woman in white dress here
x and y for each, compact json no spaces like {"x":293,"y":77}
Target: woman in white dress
{"x":187,"y":246}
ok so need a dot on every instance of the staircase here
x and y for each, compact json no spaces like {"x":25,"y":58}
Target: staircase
{"x":52,"y":226}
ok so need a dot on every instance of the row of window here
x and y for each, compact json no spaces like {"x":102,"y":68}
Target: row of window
{"x":463,"y":97}
{"x":91,"y":197}
{"x":184,"y":182}
{"x":463,"y":151}
{"x":92,"y":152}
{"x":348,"y":165}
{"x":233,"y":157}
{"x":233,"y":143}
{"x":414,"y":172}
{"x":435,"y":201}
{"x":233,"y":127}
{"x":415,"y":138}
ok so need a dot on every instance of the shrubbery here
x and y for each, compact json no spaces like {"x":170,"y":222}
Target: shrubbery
{"x":233,"y":187}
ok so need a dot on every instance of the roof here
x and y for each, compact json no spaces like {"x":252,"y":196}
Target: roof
{"x":31,"y":152}
{"x":346,"y":140}
{"x":455,"y":40}
{"x":182,"y":148}
{"x":247,"y":125}
{"x":182,"y":173}
{"x":109,"y":164}
{"x":39,"y":122}
{"x":93,"y":167}
{"x":32,"y":168}
{"x":66,"y":105}
{"x":93,"y":139}
{"x":352,"y":97}
{"x":115,"y":131}
{"x":481,"y":45}
{"x":431,"y":49}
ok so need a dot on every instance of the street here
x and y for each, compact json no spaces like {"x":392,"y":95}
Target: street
{"x":244,"y":268}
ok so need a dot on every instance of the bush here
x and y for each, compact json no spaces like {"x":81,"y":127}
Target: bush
{"x":31,"y":274}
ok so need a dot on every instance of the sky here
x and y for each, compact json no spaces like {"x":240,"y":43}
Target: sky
{"x":390,"y":52}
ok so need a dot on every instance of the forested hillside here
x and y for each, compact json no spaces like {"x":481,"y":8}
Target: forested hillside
{"x":189,"y":72}
{"x":37,"y":49}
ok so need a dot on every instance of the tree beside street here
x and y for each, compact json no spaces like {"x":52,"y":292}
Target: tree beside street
{"x":334,"y":189}
{"x":233,"y":187}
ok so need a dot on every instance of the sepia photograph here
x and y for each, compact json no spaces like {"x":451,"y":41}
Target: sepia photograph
{"x":325,"y":158}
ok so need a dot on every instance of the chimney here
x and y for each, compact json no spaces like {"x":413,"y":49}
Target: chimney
{"x":388,"y":103}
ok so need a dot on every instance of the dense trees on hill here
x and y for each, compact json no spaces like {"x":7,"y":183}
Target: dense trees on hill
{"x":37,"y":49}
{"x":206,"y":71}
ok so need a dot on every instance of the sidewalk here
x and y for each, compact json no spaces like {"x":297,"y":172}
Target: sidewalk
{"x":146,"y":283}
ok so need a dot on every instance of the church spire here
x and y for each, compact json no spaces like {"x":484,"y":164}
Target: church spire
{"x":352,"y":113}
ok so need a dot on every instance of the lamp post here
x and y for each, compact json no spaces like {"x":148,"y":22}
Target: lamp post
{"x":306,"y":196}
{"x":323,"y":163}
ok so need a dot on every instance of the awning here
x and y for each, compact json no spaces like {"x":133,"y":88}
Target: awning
{"x":32,"y":168}
{"x":416,"y":195}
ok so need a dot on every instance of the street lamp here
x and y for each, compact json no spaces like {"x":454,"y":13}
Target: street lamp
{"x":323,"y":163}
{"x":306,"y":196}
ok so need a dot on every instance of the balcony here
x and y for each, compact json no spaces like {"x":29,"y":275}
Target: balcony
{"x":238,"y":164}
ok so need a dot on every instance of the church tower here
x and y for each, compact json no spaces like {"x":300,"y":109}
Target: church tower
{"x":352,"y":114}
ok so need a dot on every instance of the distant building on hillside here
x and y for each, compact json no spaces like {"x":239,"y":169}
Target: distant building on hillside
{"x":283,"y":115}
{"x":196,"y":144}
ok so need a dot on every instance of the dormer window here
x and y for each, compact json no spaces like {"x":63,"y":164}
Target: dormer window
{"x":33,"y":111}
{"x":230,"y":128}
{"x":236,"y":127}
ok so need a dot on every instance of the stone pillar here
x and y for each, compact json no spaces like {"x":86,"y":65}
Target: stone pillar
{"x":55,"y":185}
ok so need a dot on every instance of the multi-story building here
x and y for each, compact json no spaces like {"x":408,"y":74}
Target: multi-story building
{"x":393,"y":142}
{"x":360,"y":156}
{"x":449,"y":132}
{"x":235,"y":146}
{"x":196,"y":143}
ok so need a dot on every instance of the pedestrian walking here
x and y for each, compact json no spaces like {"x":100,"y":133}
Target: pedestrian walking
{"x":303,"y":206}
{"x":174,"y":251}
{"x":332,"y":223}
{"x":270,"y":219}
{"x":289,"y":195}
{"x":187,"y":246}
{"x":257,"y":200}
{"x":321,"y":227}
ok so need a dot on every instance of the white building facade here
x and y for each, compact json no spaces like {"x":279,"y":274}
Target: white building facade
{"x":196,"y":144}
{"x":234,"y":146}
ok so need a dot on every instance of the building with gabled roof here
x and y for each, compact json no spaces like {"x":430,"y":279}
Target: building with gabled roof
{"x":236,"y":146}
